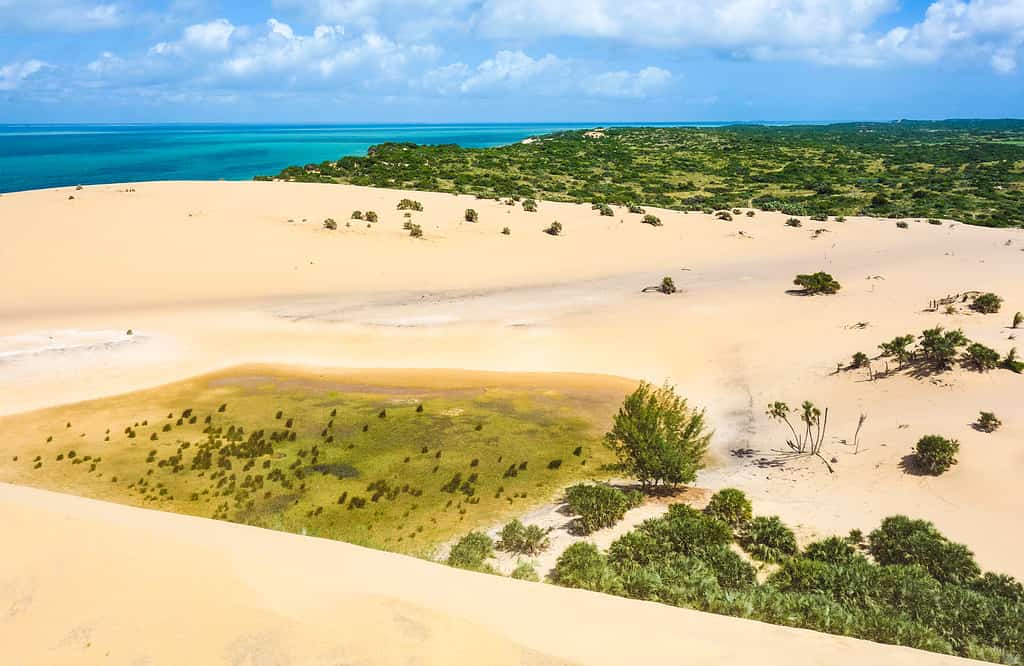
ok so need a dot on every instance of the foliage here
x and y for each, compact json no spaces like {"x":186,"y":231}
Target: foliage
{"x":731,"y":506}
{"x":939,"y":347}
{"x":471,"y":552}
{"x":1018,"y":319}
{"x":658,"y":438}
{"x":524,"y":540}
{"x":554,"y":229}
{"x":987,"y":303}
{"x":899,"y":347}
{"x":525,"y":571}
{"x":330,"y":224}
{"x":529,"y":205}
{"x":988,"y":422}
{"x":471,"y":215}
{"x":1012,"y":363}
{"x":652,"y":220}
{"x":980,"y":357}
{"x":833,"y":550}
{"x":902,"y":540}
{"x":598,"y":506}
{"x":815,"y":424}
{"x":963,"y":170}
{"x":668,"y":285}
{"x":583,"y":566}
{"x":860,"y":359}
{"x":936,"y":454}
{"x":817,"y":283}
{"x":370,"y":216}
{"x":768,"y":539}
{"x":409,"y":204}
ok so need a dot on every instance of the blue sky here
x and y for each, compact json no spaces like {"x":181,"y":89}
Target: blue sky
{"x":508,"y":60}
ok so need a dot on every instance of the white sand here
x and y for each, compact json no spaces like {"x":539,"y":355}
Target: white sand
{"x":237,"y":282}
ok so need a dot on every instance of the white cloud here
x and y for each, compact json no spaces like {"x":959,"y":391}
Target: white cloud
{"x":13,"y":74}
{"x":60,"y":15}
{"x":629,"y":84}
{"x":549,"y":74}
{"x":106,"y":63}
{"x":212,"y":36}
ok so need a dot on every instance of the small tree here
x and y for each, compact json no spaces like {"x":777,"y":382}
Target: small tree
{"x":817,"y":283}
{"x":658,"y":438}
{"x":936,"y":454}
{"x":940,"y":347}
{"x":505,"y":231}
{"x":812,"y":437}
{"x":668,"y":286}
{"x":860,"y":359}
{"x":471,"y":215}
{"x":899,"y":347}
{"x":987,"y":303}
{"x":988,"y":422}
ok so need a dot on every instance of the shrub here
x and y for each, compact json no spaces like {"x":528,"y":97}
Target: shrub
{"x":750,"y":213}
{"x":901,"y":540}
{"x":999,"y":586}
{"x":980,"y":357}
{"x":667,"y":286}
{"x":724,"y":215}
{"x":817,"y":283}
{"x":505,"y":231}
{"x":731,"y":506}
{"x":554,"y":229}
{"x":471,"y":215}
{"x":330,"y":224}
{"x":936,"y":454}
{"x":987,"y":303}
{"x":793,"y":222}
{"x":471,"y":552}
{"x":416,"y":231}
{"x":1011,"y":363}
{"x":525,"y":540}
{"x":652,"y":220}
{"x":1018,"y":319}
{"x":525,"y":571}
{"x":768,"y":539}
{"x":409,"y":204}
{"x":529,"y":205}
{"x":932,"y":220}
{"x":939,"y":347}
{"x":370,"y":216}
{"x":988,"y":422}
{"x":899,"y":347}
{"x":583,"y":566}
{"x":860,"y":359}
{"x":598,"y":506}
{"x":902,"y":225}
{"x":357,"y":215}
{"x":833,"y":550}
{"x":604,"y":209}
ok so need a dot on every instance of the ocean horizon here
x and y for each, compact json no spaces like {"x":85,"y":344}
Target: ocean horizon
{"x":37,"y":156}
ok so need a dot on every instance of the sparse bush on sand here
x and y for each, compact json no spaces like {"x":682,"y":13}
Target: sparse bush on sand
{"x":731,"y":506}
{"x":935,"y":454}
{"x":817,"y":283}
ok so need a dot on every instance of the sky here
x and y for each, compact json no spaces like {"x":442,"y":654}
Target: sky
{"x":440,"y":61}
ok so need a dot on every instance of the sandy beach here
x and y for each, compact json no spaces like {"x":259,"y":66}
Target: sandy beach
{"x":212,"y":275}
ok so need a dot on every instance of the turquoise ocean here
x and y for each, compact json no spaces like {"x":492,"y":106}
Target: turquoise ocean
{"x":38,"y":156}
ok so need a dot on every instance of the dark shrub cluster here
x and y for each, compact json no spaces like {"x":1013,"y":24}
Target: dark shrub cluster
{"x":598,"y":506}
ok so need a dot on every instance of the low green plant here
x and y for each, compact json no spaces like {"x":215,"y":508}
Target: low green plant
{"x":409,"y":204}
{"x":980,"y":357}
{"x":668,"y":285}
{"x":357,"y":215}
{"x":598,"y":505}
{"x":370,"y":216}
{"x":987,"y":303}
{"x":652,"y":220}
{"x":330,"y":224}
{"x":768,"y":539}
{"x":817,"y":283}
{"x":988,"y":422}
{"x":583,"y":566}
{"x":793,"y":222}
{"x":505,"y":231}
{"x":530,"y":205}
{"x":731,"y":506}
{"x":900,"y":540}
{"x":935,"y":454}
{"x":833,"y":550}
{"x":554,"y":229}
{"x":525,"y":571}
{"x":471,"y":215}
{"x":523,"y":539}
{"x":471,"y":552}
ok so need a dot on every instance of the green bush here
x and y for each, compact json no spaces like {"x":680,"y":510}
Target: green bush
{"x":409,"y":204}
{"x":902,"y":225}
{"x":731,"y":506}
{"x":635,"y":208}
{"x":935,"y":454}
{"x":768,"y":539}
{"x":980,"y":357}
{"x":833,"y":550}
{"x":583,"y":566}
{"x":471,"y":215}
{"x":940,"y":347}
{"x":860,"y":359}
{"x":793,"y":222}
{"x":817,"y":283}
{"x":988,"y":303}
{"x":370,"y":216}
{"x":988,"y":422}
{"x":658,"y":438}
{"x":524,"y":540}
{"x":554,"y":229}
{"x":901,"y":540}
{"x":598,"y":506}
{"x":529,"y":205}
{"x":724,"y":215}
{"x":505,"y":231}
{"x":330,"y":224}
{"x":667,"y":286}
{"x":471,"y":552}
{"x":357,"y":215}
{"x":525,"y":571}
{"x":652,"y":220}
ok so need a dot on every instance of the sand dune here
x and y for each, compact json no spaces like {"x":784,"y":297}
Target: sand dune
{"x":102,"y":583}
{"x":209,"y":275}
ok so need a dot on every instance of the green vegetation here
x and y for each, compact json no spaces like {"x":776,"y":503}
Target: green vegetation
{"x":962,"y":170}
{"x":816,"y":283}
{"x":471,"y":215}
{"x":523,"y":539}
{"x":597,"y":505}
{"x":988,"y":422}
{"x":935,"y":454}
{"x":658,"y":438}
{"x":918,"y":589}
{"x":409,"y":204}
{"x":731,"y":506}
{"x":652,"y":220}
{"x":401,"y":468}
{"x":987,"y":303}
{"x":554,"y":229}
{"x":330,"y":224}
{"x":471,"y":552}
